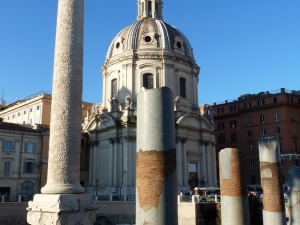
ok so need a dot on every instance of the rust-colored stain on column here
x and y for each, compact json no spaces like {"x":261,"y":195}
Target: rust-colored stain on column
{"x":153,"y":168}
{"x":273,"y":190}
{"x":236,"y":184}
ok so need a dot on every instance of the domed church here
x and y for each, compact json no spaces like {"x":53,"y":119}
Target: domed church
{"x":148,"y":54}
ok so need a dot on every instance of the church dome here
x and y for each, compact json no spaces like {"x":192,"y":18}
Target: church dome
{"x":152,"y":38}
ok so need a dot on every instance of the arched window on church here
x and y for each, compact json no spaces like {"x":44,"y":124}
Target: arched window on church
{"x":182,"y":86}
{"x":150,"y":9}
{"x":148,"y":81}
{"x":114,"y":88}
{"x":156,"y":9}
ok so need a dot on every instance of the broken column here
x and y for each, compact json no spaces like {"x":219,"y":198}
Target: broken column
{"x":273,"y":199}
{"x":156,"y":186}
{"x":294,"y":195}
{"x":63,"y":201}
{"x":234,"y":207}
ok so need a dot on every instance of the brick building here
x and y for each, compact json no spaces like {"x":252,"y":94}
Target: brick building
{"x":240,"y":123}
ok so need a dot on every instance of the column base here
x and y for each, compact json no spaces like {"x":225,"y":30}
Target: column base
{"x":60,"y":209}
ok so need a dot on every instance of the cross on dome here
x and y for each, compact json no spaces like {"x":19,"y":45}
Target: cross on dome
{"x":150,"y":9}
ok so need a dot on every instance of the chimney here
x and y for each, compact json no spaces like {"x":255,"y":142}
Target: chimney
{"x":1,"y":121}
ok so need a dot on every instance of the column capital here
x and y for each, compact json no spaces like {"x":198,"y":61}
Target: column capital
{"x":180,"y":139}
{"x":111,"y":140}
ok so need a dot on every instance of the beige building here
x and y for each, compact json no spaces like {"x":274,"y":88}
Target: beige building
{"x":20,"y":170}
{"x":21,"y":118}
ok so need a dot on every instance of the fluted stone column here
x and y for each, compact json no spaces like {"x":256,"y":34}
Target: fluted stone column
{"x":234,"y":207}
{"x":184,"y":162}
{"x":156,"y":187}
{"x":62,"y":201}
{"x":294,"y":195}
{"x":179,"y":161}
{"x":269,"y":156}
{"x":111,"y":161}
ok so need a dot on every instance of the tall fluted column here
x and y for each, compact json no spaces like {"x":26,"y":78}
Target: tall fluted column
{"x":115,"y":183}
{"x":203,"y":161}
{"x":184,"y":159}
{"x":111,"y":161}
{"x":65,"y":125}
{"x":63,"y":200}
{"x":179,"y":161}
{"x":294,"y":195}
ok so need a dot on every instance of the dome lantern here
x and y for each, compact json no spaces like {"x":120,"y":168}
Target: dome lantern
{"x":150,"y":9}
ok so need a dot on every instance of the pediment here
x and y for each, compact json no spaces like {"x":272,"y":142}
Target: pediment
{"x":194,"y":121}
{"x":100,"y":122}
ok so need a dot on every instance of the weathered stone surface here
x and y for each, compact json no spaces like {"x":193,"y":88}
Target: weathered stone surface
{"x":61,"y":209}
{"x":234,"y":205}
{"x":65,"y":127}
{"x":156,"y":190}
{"x":294,"y":195}
{"x":274,"y":211}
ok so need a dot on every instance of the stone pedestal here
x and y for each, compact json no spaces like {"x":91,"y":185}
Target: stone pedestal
{"x":60,"y":209}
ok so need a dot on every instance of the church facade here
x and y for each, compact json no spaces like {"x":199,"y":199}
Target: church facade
{"x":148,"y":54}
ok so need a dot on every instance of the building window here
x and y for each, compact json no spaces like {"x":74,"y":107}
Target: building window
{"x":233,"y":124}
{"x":298,"y":100}
{"x":220,"y":110}
{"x":13,"y":116}
{"x":221,"y":125}
{"x":248,"y":120}
{"x":262,"y":118}
{"x":263,"y":132}
{"x":276,"y":116}
{"x":24,"y":112}
{"x":232,"y":108}
{"x":9,"y":145}
{"x":250,"y":148}
{"x":292,"y":116}
{"x":290,"y":99}
{"x":38,"y":107}
{"x":156,"y":9}
{"x":274,"y":99}
{"x":281,"y":162}
{"x":30,"y":147}
{"x":182,"y":87}
{"x":30,"y":110}
{"x":260,"y":102}
{"x":6,"y":167}
{"x":18,"y":114}
{"x":295,"y":147}
{"x":247,"y":105}
{"x":233,"y":138}
{"x":114,"y":86}
{"x":294,"y":130}
{"x":148,"y":81}
{"x":150,"y":9}
{"x":28,"y":167}
{"x":221,"y":139}
{"x":251,"y":164}
{"x":277,"y":130}
{"x":249,"y":133}
{"x":253,"y":181}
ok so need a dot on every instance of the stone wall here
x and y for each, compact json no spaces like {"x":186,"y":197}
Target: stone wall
{"x":12,"y":213}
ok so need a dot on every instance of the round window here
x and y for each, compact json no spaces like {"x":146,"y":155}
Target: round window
{"x":178,"y":44}
{"x":118,"y":45}
{"x":148,"y":38}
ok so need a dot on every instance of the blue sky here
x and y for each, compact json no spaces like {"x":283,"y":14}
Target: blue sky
{"x":242,"y":46}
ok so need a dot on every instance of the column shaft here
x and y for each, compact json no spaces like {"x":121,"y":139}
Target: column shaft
{"x":269,"y":156}
{"x":185,"y":166}
{"x":234,"y":207}
{"x":294,"y":195}
{"x":179,"y":162}
{"x":156,"y":189}
{"x":65,"y":125}
{"x":111,"y":162}
{"x":115,"y":163}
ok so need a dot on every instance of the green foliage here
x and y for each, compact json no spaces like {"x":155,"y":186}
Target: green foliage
{"x":119,"y":122}
{"x":133,"y":118}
